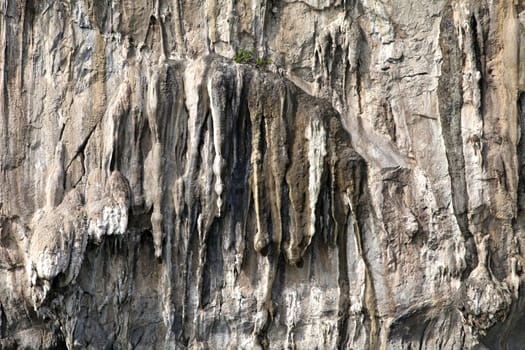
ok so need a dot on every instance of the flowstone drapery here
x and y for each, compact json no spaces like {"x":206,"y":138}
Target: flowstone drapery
{"x":358,"y":186}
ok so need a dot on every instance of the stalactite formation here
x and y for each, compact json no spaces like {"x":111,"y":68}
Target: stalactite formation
{"x":358,"y":183}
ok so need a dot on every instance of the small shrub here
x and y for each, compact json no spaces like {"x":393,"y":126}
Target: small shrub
{"x":262,"y":62}
{"x":244,"y":56}
{"x":248,"y":56}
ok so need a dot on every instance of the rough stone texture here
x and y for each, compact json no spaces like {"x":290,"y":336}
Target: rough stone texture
{"x":364,"y":190}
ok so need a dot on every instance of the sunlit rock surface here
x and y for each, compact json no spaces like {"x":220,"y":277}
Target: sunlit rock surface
{"x":357,"y":183}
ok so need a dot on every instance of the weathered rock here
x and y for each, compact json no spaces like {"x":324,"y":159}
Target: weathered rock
{"x":338,"y":189}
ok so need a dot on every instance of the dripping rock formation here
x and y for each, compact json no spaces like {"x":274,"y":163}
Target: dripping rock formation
{"x":257,"y":174}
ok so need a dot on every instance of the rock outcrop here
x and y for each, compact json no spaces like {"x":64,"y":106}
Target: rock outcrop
{"x":262,"y":174}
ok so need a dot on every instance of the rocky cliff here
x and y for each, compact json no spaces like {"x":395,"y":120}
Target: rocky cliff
{"x":262,"y":174}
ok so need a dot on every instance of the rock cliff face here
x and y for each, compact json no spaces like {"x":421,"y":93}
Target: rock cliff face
{"x":356,"y":181}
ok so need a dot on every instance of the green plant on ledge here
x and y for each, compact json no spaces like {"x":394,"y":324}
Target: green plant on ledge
{"x":244,"y":56}
{"x":262,"y":62}
{"x":248,"y":56}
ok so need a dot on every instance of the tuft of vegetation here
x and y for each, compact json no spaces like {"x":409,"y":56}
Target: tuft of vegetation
{"x":249,"y":57}
{"x":244,"y":56}
{"x":262,"y":62}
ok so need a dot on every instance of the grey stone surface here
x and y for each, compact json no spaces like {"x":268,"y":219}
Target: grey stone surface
{"x":356,"y":183}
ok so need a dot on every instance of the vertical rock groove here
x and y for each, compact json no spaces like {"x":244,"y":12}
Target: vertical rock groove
{"x":450,"y":102}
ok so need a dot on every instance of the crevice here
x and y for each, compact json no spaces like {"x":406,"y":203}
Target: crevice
{"x":358,"y":87}
{"x":422,"y":336}
{"x":81,"y":148}
{"x":3,"y":322}
{"x":450,"y":96}
{"x":478,"y":55}
{"x":181,"y":49}
{"x":360,"y":213}
{"x":61,"y":135}
{"x":520,"y":151}
{"x":344,"y":290}
{"x":82,"y":162}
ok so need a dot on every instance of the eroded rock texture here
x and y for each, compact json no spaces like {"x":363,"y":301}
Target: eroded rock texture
{"x":364,"y":190}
